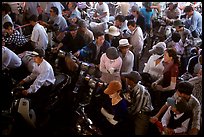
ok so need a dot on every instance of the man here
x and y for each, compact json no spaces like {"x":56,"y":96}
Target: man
{"x":184,"y":91}
{"x":194,"y":24}
{"x":140,"y":102}
{"x":126,"y":55}
{"x":137,"y":42}
{"x":94,"y":50}
{"x":39,"y":37}
{"x":15,"y":40}
{"x":42,"y":74}
{"x":56,"y":22}
{"x":102,"y":12}
{"x":9,"y":59}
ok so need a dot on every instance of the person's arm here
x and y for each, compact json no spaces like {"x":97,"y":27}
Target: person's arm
{"x":166,"y":117}
{"x":108,"y":116}
{"x":172,"y":85}
{"x":194,"y":22}
{"x":157,"y":116}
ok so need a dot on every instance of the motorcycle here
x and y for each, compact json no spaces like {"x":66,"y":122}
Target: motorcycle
{"x":22,"y":114}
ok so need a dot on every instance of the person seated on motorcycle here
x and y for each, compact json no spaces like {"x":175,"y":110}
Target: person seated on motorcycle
{"x":56,"y":21}
{"x":194,"y":22}
{"x":171,"y":13}
{"x":72,"y":41}
{"x":9,"y":59}
{"x":42,"y":77}
{"x":14,"y":39}
{"x":102,"y":12}
{"x":94,"y":50}
{"x":114,"y":111}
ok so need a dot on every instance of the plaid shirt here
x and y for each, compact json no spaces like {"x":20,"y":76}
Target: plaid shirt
{"x":16,"y":39}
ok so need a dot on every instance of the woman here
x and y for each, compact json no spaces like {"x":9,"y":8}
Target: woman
{"x":114,"y":111}
{"x":110,"y":65}
{"x":165,"y":85}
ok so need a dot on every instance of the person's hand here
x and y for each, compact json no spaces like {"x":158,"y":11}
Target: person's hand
{"x":153,"y":119}
{"x":25,"y":92}
{"x":76,"y":54}
{"x":153,"y":85}
{"x":21,"y":83}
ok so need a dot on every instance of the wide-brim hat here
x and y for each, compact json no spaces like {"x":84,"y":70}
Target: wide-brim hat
{"x":178,"y":23}
{"x":112,"y":53}
{"x":124,"y":43}
{"x":133,"y":75}
{"x":114,"y":31}
{"x":113,"y":87}
{"x":159,"y":48}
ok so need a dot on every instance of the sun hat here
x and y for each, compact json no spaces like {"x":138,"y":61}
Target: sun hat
{"x":114,"y":31}
{"x":112,"y":53}
{"x":123,"y":43}
{"x":113,"y":86}
{"x":159,"y":48}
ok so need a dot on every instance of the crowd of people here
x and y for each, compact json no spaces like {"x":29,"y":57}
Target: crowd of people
{"x":133,"y":104}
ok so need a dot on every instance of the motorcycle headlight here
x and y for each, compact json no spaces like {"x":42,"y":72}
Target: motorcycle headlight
{"x":61,"y":54}
{"x":92,"y":83}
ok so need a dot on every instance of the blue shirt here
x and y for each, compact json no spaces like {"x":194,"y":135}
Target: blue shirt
{"x":147,"y":16}
{"x":196,"y":22}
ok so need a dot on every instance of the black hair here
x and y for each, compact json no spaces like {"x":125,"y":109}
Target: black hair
{"x":185,"y":87}
{"x":132,"y":23}
{"x":33,"y":18}
{"x":6,"y":25}
{"x":55,"y":9}
{"x":120,"y":18}
{"x":98,"y":34}
{"x":176,"y":37}
{"x":6,"y":7}
{"x":188,"y":9}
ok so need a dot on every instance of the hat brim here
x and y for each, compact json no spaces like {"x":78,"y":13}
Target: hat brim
{"x":121,"y":46}
{"x":113,"y":34}
{"x":34,"y":54}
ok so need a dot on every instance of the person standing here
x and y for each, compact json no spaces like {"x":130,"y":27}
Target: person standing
{"x":140,"y":106}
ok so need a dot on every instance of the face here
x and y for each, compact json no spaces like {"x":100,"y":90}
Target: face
{"x":69,"y":5}
{"x":100,"y":40}
{"x":113,"y":95}
{"x":179,"y":28}
{"x":117,"y":23}
{"x":37,"y":59}
{"x":73,"y":33}
{"x":131,"y":28}
{"x":166,"y":57}
{"x":124,"y":50}
{"x":189,"y":14}
{"x":9,"y":30}
{"x":52,"y":12}
{"x":134,"y":13}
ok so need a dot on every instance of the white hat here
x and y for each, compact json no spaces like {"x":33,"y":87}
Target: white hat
{"x":123,"y":43}
{"x":114,"y":31}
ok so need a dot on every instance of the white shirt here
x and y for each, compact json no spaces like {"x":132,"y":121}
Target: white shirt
{"x":155,"y":70}
{"x":59,"y":6}
{"x":127,"y":62}
{"x":39,"y":35}
{"x":10,"y":59}
{"x":43,"y":76}
{"x":101,"y":9}
{"x":137,"y":41}
{"x":166,"y":117}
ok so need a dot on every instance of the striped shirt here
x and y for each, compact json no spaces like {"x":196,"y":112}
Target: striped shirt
{"x":140,"y":100}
